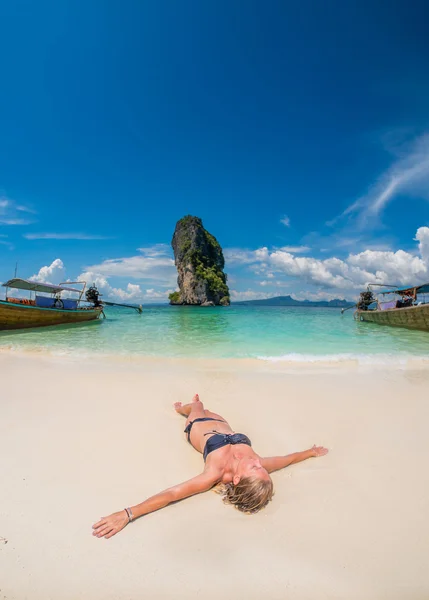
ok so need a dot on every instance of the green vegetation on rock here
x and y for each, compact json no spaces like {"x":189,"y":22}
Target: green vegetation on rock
{"x":214,"y":277}
{"x":174,"y":297}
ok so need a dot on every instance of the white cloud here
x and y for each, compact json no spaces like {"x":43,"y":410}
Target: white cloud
{"x":285,"y":221}
{"x":311,"y":270}
{"x":157,"y":250}
{"x":408,"y":174}
{"x":64,"y":236}
{"x":315,"y":296}
{"x":4,"y":221}
{"x":132,"y":291}
{"x":153,"y":264}
{"x":25,"y":209}
{"x":277,"y":283}
{"x":422,"y":236}
{"x":153,"y":294}
{"x":238,"y":256}
{"x":241,"y":256}
{"x":350,"y":274}
{"x":390,"y":267}
{"x":5,"y":242}
{"x":10,"y":213}
{"x":296,"y":249}
{"x":54,"y":273}
{"x":249,"y":295}
{"x":347,"y":241}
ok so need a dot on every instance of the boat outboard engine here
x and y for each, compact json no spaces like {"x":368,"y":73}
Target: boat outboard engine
{"x":365,"y":299}
{"x":93,"y":295}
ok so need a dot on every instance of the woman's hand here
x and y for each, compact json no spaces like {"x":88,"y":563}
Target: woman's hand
{"x":109,"y":526}
{"x":319,"y":450}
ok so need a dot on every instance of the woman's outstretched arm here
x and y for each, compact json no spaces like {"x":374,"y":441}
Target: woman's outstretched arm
{"x":274,"y":463}
{"x":109,"y":526}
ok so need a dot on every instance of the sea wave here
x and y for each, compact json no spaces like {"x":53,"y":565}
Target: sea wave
{"x":361,"y":359}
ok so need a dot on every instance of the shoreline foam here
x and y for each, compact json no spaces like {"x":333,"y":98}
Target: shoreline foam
{"x":293,"y":360}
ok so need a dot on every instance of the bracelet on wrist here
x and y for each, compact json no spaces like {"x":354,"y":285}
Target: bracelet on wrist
{"x":129,"y":514}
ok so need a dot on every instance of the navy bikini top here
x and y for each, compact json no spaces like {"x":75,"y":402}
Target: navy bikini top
{"x":219,"y":440}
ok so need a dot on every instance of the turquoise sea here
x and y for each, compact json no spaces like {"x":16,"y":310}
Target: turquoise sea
{"x":270,"y":333}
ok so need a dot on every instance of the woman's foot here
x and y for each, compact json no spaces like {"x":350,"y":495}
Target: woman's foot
{"x":185,"y":409}
{"x":182,"y":409}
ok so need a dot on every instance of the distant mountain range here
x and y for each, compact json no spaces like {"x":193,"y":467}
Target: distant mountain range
{"x":289,"y":301}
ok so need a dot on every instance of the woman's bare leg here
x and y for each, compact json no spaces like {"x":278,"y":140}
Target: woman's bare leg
{"x":193,"y":410}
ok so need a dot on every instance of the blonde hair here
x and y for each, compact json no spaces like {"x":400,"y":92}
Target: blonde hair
{"x":250,"y":495}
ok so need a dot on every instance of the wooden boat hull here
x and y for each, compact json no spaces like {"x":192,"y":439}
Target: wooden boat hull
{"x":412,"y":317}
{"x":21,"y":316}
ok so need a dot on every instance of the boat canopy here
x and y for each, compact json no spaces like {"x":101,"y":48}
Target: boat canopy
{"x":38,"y":286}
{"x":419,"y":289}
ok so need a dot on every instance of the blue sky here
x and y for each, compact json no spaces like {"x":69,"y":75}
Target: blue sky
{"x":298,"y":132}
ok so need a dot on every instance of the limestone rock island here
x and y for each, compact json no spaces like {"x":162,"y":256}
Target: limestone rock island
{"x":200,"y":263}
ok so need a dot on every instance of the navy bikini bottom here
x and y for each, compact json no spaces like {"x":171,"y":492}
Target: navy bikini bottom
{"x":218,"y":440}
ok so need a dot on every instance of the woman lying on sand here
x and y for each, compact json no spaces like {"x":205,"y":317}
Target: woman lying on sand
{"x":229,"y":460}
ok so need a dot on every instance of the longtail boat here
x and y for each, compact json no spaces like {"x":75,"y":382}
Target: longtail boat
{"x":398,"y":307}
{"x":49,"y":309}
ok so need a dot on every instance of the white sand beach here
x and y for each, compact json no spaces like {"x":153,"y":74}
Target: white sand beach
{"x":80,"y":439}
